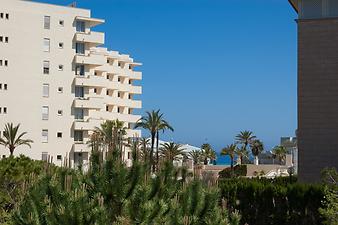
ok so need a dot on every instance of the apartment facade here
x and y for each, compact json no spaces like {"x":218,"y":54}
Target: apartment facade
{"x":58,"y":82}
{"x":317,"y":133}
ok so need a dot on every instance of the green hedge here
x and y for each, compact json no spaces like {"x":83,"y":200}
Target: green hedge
{"x":238,"y":171}
{"x":275,"y":202}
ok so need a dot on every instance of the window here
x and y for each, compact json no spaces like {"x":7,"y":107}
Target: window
{"x":7,"y":16}
{"x":119,"y":64}
{"x":80,"y":48}
{"x":45,"y":90}
{"x":119,"y":79}
{"x":5,"y":110}
{"x":107,"y":108}
{"x":6,"y":62}
{"x":59,"y":135}
{"x":60,"y":89}
{"x":0,"y":110}
{"x":0,"y":86}
{"x":46,"y":44}
{"x":0,"y":62}
{"x":78,"y":135}
{"x":80,"y":70}
{"x":130,"y":111}
{"x":80,"y":26}
{"x":108,"y":77}
{"x":5,"y":87}
{"x":79,"y":114}
{"x":6,"y":39}
{"x":60,"y":67}
{"x":60,"y":112}
{"x":1,"y":38}
{"x":95,"y":90}
{"x":107,"y":92}
{"x":119,"y":94}
{"x":61,"y":45}
{"x":46,"y":22}
{"x":79,"y":92}
{"x":119,"y":110}
{"x":1,"y":15}
{"x":45,"y":112}
{"x":45,"y":67}
{"x":44,"y":156}
{"x":59,"y":157}
{"x":61,"y":23}
{"x":44,"y":136}
{"x":130,"y":82}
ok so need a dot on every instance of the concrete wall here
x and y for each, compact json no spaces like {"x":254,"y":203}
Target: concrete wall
{"x":317,"y":97}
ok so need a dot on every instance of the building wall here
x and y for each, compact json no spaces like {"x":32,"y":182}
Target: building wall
{"x":317,"y":97}
{"x":24,"y":78}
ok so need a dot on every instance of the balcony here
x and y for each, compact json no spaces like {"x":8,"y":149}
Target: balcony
{"x":135,"y":104}
{"x":102,"y":115}
{"x":80,"y":147}
{"x":89,"y":103}
{"x":133,"y":133}
{"x":91,"y":81}
{"x":92,"y":37}
{"x":130,"y":88}
{"x":90,"y":21}
{"x":135,"y":75}
{"x":87,"y":125}
{"x":91,"y":59}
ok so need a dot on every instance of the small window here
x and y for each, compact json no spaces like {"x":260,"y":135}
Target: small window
{"x":1,"y":38}
{"x":79,"y":92}
{"x":61,"y":45}
{"x":59,"y":157}
{"x":1,"y":15}
{"x":6,"y":39}
{"x":59,"y":135}
{"x":6,"y":62}
{"x":130,"y":67}
{"x":119,"y":64}
{"x":80,"y":26}
{"x":0,"y":86}
{"x":7,"y":16}
{"x":130,"y":82}
{"x":95,"y":90}
{"x":46,"y":45}
{"x":61,"y":23}
{"x":108,"y":61}
{"x":108,"y":77}
{"x":80,"y":48}
{"x":80,"y":70}
{"x":119,"y":110}
{"x":45,"y":67}
{"x":107,"y":92}
{"x":119,"y":94}
{"x":44,"y":136}
{"x":0,"y":62}
{"x":46,"y":22}
{"x":5,"y":110}
{"x":60,"y":89}
{"x":107,"y":108}
{"x":44,"y":156}
{"x":45,"y":90}
{"x":0,"y":110}
{"x":119,"y":79}
{"x":60,"y":67}
{"x":60,"y":112}
{"x":5,"y":87}
{"x":45,"y":112}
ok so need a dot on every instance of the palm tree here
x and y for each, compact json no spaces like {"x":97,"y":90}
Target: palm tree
{"x":154,"y":123}
{"x":11,"y":139}
{"x":144,"y":149}
{"x":195,"y":156}
{"x":279,"y":152}
{"x":256,"y":148}
{"x":171,"y":151}
{"x":230,"y":150}
{"x":245,"y":138}
{"x":207,"y":152}
{"x":112,"y":133}
{"x":242,"y":153}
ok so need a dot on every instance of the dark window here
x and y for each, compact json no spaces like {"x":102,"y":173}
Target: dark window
{"x":59,"y":135}
{"x":7,"y":16}
{"x":59,"y":157}
{"x":0,"y":86}
{"x":6,"y":39}
{"x":5,"y":87}
{"x":79,"y":92}
{"x":6,"y":62}
{"x":1,"y":15}
{"x":1,"y":38}
{"x":80,"y":26}
{"x":44,"y":156}
{"x":5,"y":110}
{"x":78,"y":135}
{"x":80,"y":48}
{"x":45,"y":67}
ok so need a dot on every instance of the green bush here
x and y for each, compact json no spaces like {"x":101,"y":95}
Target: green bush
{"x":275,"y":202}
{"x":15,"y":176}
{"x":238,"y":171}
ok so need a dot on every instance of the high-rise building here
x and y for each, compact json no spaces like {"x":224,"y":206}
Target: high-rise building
{"x":317,"y":86}
{"x":58,"y":83}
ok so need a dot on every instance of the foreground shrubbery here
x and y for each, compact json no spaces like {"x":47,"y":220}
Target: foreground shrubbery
{"x":110,"y":193}
{"x":264,"y":201}
{"x":16,"y":175}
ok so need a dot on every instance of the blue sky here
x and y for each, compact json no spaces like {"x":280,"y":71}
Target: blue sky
{"x":214,"y":67}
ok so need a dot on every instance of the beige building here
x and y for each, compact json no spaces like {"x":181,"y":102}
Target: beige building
{"x":58,"y":83}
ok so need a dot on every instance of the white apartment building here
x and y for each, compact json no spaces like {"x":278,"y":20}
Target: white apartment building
{"x":58,"y":83}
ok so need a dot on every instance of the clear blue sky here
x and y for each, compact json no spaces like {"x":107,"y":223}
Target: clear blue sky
{"x":214,"y":67}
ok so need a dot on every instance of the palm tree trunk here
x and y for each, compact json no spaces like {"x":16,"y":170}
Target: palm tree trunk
{"x":11,"y":150}
{"x":157,"y":153}
{"x":151,"y":157}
